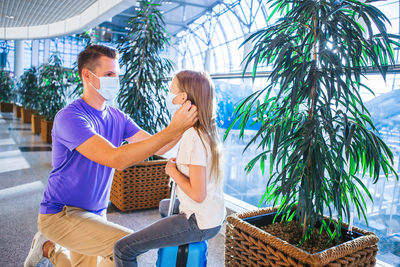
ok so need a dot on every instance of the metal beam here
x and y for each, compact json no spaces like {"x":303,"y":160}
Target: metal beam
{"x":126,"y":15}
{"x":175,"y":23}
{"x":263,"y":74}
{"x":198,"y":15}
{"x":171,"y":9}
{"x":170,"y":22}
{"x":187,"y":3}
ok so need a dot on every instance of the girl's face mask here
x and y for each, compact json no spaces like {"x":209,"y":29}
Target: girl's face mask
{"x":171,"y":107}
{"x":175,"y":101}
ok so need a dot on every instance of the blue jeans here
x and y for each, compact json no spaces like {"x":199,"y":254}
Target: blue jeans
{"x":170,"y":231}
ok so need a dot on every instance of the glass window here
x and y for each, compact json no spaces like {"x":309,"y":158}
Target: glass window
{"x":27,"y":54}
{"x":7,"y":55}
{"x":41,"y":51}
{"x":10,"y":56}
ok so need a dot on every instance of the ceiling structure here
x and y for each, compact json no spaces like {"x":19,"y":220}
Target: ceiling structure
{"x":177,"y":14}
{"x":39,"y":19}
{"x":22,"y":13}
{"x":34,"y":19}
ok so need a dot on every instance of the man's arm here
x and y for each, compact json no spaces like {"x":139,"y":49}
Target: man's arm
{"x":143,"y":135}
{"x":100,"y":150}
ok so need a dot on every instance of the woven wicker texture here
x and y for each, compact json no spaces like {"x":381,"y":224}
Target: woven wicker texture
{"x":247,"y":245}
{"x":141,"y":186}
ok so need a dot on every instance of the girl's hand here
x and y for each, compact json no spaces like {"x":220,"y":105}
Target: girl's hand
{"x":170,"y":168}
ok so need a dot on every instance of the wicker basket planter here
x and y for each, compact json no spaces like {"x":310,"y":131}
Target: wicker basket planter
{"x":36,"y":123}
{"x":26,"y":115}
{"x":141,"y":186}
{"x":6,"y":107}
{"x":248,"y":245}
{"x":17,"y":111}
{"x":46,"y":127}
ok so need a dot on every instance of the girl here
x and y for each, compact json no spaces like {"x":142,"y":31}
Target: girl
{"x":196,"y":171}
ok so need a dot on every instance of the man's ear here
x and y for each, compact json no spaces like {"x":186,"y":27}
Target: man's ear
{"x":85,"y":74}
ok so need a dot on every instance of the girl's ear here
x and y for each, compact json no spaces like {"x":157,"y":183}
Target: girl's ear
{"x":183,"y":97}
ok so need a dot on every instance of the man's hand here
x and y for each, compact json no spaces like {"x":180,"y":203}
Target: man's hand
{"x":184,"y":118}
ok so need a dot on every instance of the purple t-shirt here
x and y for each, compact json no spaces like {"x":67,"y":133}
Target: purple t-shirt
{"x":76,"y":180}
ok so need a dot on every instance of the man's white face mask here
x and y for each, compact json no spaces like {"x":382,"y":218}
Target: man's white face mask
{"x":109,"y":87}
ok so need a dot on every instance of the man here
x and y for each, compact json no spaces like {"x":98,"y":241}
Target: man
{"x":86,"y":147}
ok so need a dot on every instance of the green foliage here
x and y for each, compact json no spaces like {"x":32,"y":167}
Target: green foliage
{"x":54,"y":82}
{"x":144,"y":83}
{"x":29,"y":90}
{"x":315,"y":130}
{"x":6,"y":86}
{"x":90,"y":39}
{"x":76,"y":80}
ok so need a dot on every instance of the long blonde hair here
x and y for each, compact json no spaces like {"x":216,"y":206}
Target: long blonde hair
{"x":200,"y":91}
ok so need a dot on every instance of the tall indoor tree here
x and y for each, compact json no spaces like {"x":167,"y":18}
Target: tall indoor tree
{"x":315,"y":130}
{"x":144,"y":83}
{"x":89,"y":38}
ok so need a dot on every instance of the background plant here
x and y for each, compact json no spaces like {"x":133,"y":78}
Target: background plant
{"x":6,"y":86}
{"x":29,"y":89}
{"x":54,"y":83}
{"x":144,"y":83}
{"x":315,"y":129}
{"x":90,"y":39}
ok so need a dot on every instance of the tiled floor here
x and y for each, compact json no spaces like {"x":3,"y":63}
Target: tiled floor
{"x":25,"y":162}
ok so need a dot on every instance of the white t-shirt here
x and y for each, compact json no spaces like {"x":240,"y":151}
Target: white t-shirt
{"x":211,"y":212}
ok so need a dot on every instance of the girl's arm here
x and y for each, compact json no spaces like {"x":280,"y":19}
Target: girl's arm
{"x":195,"y":185}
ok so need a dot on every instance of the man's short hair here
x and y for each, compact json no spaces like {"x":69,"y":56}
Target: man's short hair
{"x":88,"y":57}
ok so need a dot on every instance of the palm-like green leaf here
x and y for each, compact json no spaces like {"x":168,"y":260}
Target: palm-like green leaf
{"x":316,"y":129}
{"x":143,"y":86}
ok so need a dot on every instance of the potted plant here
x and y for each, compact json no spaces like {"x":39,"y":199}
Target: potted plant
{"x":142,"y":97}
{"x":29,"y":92}
{"x":53,"y":82}
{"x":6,"y":91}
{"x":315,"y":133}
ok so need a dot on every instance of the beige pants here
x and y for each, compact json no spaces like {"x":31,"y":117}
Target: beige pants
{"x":84,"y":234}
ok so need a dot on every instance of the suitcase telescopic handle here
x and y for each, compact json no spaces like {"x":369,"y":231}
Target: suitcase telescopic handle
{"x":172,"y":199}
